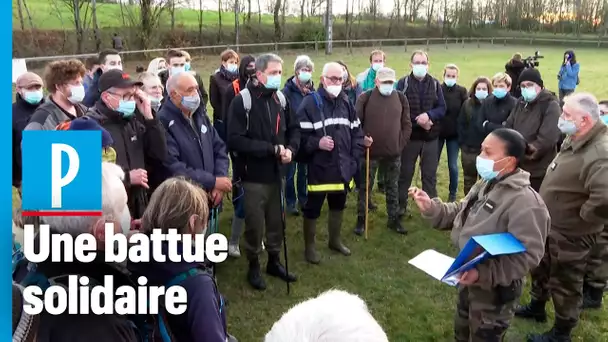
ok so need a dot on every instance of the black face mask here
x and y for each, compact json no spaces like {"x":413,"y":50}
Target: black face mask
{"x":250,"y":72}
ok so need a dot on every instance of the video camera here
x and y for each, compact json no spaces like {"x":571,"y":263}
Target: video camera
{"x":532,"y":61}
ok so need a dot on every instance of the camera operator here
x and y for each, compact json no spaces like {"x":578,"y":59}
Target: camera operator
{"x":535,"y":116}
{"x":568,"y":75}
{"x":513,"y":68}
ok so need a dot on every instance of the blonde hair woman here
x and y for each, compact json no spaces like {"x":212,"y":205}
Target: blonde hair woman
{"x":157,"y":65}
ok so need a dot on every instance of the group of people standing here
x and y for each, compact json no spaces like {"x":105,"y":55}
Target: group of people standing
{"x":294,"y":148}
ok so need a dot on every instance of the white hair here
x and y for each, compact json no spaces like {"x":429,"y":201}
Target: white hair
{"x":585,"y":103}
{"x":333,"y":316}
{"x":113,"y":201}
{"x":153,"y":66}
{"x":331,"y":66}
{"x":303,"y":61}
{"x":172,"y":81}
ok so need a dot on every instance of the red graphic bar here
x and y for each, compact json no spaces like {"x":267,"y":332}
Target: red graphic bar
{"x":61,"y":213}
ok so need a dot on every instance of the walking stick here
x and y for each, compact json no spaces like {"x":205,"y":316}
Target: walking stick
{"x":214,"y":228}
{"x":282,"y":193}
{"x":366,"y":188}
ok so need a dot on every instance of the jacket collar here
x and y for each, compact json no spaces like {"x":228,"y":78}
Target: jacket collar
{"x":20,"y":101}
{"x":110,"y":114}
{"x":175,"y":112}
{"x":598,"y":129}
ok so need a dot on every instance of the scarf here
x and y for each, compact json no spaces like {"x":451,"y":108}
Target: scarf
{"x":370,"y":79}
{"x":227,"y":75}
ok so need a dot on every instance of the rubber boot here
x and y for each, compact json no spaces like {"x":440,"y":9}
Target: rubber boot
{"x":592,"y":298}
{"x":395,"y":224}
{"x":561,"y":332}
{"x":275,"y":269}
{"x":310,"y":253}
{"x":334,"y":226}
{"x":535,"y":310}
{"x":360,"y":227}
{"x":238,"y":224}
{"x":254,"y":275}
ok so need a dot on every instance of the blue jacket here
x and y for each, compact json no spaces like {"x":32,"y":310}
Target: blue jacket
{"x":205,"y":318}
{"x":92,"y":92}
{"x":196,"y":154}
{"x":293,"y":94}
{"x":568,"y":76}
{"x":320,"y":115}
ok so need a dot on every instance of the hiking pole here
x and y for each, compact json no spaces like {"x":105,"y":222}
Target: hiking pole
{"x":282,"y":194}
{"x":366,"y":188}
{"x":214,"y":225}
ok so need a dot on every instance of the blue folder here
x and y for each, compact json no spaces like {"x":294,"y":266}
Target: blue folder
{"x":480,"y":248}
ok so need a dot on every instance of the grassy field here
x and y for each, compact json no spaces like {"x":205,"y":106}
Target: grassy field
{"x":410,"y":305}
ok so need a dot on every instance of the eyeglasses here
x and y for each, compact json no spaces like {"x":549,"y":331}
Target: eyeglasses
{"x":334,"y":79}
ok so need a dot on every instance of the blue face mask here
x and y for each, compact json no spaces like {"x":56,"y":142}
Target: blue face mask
{"x":232,"y":68}
{"x":604,"y":118}
{"x":126,"y":108}
{"x":450,"y":82}
{"x":419,"y":70}
{"x":177,"y":70}
{"x":529,"y":94}
{"x":386,"y":89}
{"x":499,"y":93}
{"x":485,"y":168}
{"x":33,"y":97}
{"x":273,"y":82}
{"x":566,"y":126}
{"x":481,"y":94}
{"x":377,"y":66}
{"x":191,"y":103}
{"x":187,"y":66}
{"x":304,"y":76}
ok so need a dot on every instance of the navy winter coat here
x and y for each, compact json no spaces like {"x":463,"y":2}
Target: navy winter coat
{"x":198,"y":154}
{"x":330,"y":170}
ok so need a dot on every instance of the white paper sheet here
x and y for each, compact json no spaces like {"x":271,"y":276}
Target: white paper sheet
{"x":433,"y":263}
{"x":19,"y":68}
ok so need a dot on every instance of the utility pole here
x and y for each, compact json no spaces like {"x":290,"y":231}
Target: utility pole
{"x":328,"y":27}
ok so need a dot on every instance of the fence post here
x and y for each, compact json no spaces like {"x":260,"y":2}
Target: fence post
{"x":504,"y":42}
{"x":316,"y":47}
{"x":427,"y":45}
{"x":276,"y":47}
{"x":492,"y":41}
{"x":405,"y":45}
{"x":531,"y":40}
{"x":463,"y":42}
{"x":599,"y":42}
{"x":350,"y":46}
{"x":478,"y":46}
{"x":446,"y":43}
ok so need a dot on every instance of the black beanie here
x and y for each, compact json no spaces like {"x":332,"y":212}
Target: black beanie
{"x":531,"y":75}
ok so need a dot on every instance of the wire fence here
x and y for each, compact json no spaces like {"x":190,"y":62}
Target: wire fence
{"x":318,"y":45}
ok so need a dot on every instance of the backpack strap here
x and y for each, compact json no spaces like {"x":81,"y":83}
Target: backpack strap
{"x":319,"y":103}
{"x":282,"y":99}
{"x":193,"y":272}
{"x":405,"y":84}
{"x":246,"y":95}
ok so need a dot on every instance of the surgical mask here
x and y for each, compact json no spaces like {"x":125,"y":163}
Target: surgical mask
{"x":191,"y":103}
{"x":481,"y":94}
{"x":604,"y":118}
{"x":450,"y":82}
{"x":177,"y":70}
{"x":304,"y":76}
{"x":386,"y":89}
{"x":273,"y":82}
{"x":419,"y":70}
{"x":499,"y":93}
{"x":155,"y":102}
{"x":33,"y":97}
{"x":334,"y":90}
{"x":485,"y":168}
{"x":529,"y":94}
{"x":232,"y":68}
{"x":112,"y":67}
{"x":377,"y":66}
{"x":250,"y":72}
{"x":108,"y":154}
{"x":566,"y":126}
{"x":126,"y":108}
{"x":187,"y":66}
{"x":77,"y":94}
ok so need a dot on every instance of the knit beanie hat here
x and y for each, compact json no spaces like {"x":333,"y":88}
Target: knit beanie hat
{"x":531,"y":75}
{"x":25,"y":326}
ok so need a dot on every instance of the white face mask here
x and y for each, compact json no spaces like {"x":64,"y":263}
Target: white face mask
{"x":334,"y":90}
{"x":77,"y":94}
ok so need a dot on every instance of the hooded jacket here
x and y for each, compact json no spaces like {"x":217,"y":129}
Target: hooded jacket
{"x":537,"y":122}
{"x":505,"y":205}
{"x":136,"y":140}
{"x":321,"y":115}
{"x":198,"y":154}
{"x":22,"y":113}
{"x":293,"y":94}
{"x":205,"y":318}
{"x":252,"y":137}
{"x":514,"y":68}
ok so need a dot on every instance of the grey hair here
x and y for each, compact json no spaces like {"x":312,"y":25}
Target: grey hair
{"x":331,"y":65}
{"x":261,"y":63}
{"x":147,"y":76}
{"x":303,"y":61}
{"x":172,"y":81}
{"x":112,"y":192}
{"x":584,"y":102}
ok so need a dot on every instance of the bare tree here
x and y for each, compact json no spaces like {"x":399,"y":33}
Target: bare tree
{"x":248,"y":12}
{"x":259,"y":13}
{"x":429,"y":13}
{"x":236,"y":24}
{"x":79,"y":11}
{"x":95,"y":25}
{"x":200,"y":22}
{"x":277,"y":23}
{"x":29,"y":15}
{"x":147,"y":19}
{"x":303,"y":6}
{"x":219,"y":18}
{"x":20,"y":14}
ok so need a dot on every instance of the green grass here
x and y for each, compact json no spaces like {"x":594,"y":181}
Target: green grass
{"x":48,"y":14}
{"x":408,"y":304}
